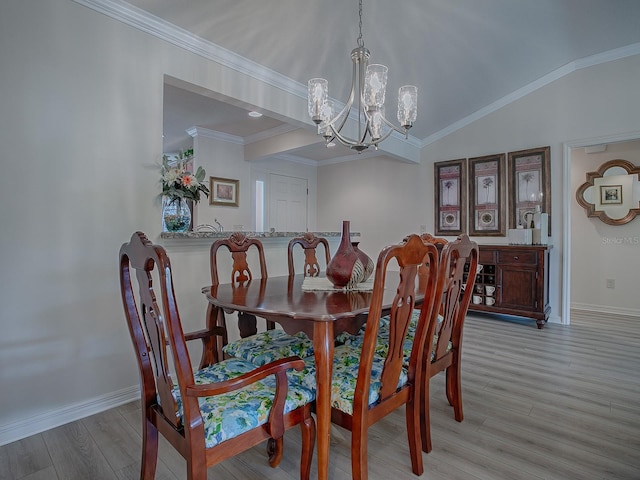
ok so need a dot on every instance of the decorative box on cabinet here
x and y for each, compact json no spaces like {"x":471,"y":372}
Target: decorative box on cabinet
{"x":517,"y":277}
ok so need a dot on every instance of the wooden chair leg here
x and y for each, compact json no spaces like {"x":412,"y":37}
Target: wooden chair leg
{"x":454,"y":390}
{"x":308,"y":430}
{"x":359,"y":452}
{"x":425,"y":421}
{"x":413,"y":436}
{"x":196,"y":470}
{"x":449,"y":386}
{"x":149,"y":450}
{"x":215,"y":318}
{"x":275,"y":448}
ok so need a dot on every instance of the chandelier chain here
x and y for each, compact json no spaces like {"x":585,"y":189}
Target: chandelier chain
{"x":360,"y":40}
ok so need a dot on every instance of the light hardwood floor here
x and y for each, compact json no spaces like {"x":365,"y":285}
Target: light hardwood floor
{"x":558,"y":403}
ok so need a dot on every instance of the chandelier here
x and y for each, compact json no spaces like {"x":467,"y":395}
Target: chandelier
{"x":368,"y":85}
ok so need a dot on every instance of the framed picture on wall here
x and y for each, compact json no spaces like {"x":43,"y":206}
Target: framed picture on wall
{"x":487,"y":195}
{"x":529,"y":185}
{"x":224,"y":191}
{"x":450,"y":178}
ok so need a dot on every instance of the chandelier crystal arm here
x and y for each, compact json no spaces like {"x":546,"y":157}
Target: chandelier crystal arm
{"x":343,"y":116}
{"x":392,"y":127}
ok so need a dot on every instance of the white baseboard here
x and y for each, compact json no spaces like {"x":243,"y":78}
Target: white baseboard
{"x":555,"y":319}
{"x":607,"y":309}
{"x":20,"y":429}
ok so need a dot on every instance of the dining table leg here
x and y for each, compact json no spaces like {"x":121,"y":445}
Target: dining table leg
{"x":323,"y":348}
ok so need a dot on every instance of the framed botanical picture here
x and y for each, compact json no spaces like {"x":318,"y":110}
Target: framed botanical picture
{"x":611,"y":194}
{"x":223,"y":191}
{"x":487,"y":178}
{"x":450,"y":179}
{"x":529,"y":185}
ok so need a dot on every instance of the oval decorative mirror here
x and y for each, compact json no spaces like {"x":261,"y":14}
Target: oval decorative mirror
{"x":612,"y":193}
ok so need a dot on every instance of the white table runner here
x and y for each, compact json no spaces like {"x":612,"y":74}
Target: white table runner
{"x":323,"y":283}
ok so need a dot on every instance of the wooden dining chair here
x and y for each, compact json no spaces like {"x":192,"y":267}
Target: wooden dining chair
{"x":258,"y":348}
{"x":446,"y":327}
{"x":309,"y":243}
{"x":372,"y":377}
{"x":217,"y":411}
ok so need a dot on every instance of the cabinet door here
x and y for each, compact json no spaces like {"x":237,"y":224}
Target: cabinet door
{"x":517,"y":287}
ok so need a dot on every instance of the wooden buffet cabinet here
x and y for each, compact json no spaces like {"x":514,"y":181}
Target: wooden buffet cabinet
{"x":519,"y":278}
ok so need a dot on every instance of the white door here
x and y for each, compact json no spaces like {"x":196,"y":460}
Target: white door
{"x":288,"y":203}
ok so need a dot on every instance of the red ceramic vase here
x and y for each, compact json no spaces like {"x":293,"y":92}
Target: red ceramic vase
{"x":369,"y":266}
{"x":345,"y":269}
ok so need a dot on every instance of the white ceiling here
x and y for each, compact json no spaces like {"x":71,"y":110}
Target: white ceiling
{"x":464,"y":55}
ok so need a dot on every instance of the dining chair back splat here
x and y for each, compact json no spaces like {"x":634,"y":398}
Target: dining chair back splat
{"x":192,"y":411}
{"x":371,"y":380}
{"x":446,"y":327}
{"x":309,"y":243}
{"x":439,"y":242}
{"x":238,"y":245}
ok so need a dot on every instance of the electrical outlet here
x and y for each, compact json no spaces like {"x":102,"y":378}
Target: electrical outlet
{"x":611,"y":283}
{"x":423,"y":229}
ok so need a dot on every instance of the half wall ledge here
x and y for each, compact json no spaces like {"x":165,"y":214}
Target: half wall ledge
{"x":209,"y":234}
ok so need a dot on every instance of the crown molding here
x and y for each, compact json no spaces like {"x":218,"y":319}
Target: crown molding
{"x":604,"y":57}
{"x":295,"y":159}
{"x":272,"y":132}
{"x":148,"y":23}
{"x":207,"y":133}
{"x":355,"y":156}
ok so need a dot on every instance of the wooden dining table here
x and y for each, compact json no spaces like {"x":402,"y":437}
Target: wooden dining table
{"x":321,"y":314}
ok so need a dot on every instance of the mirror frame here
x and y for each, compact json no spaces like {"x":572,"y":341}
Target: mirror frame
{"x":600,"y":173}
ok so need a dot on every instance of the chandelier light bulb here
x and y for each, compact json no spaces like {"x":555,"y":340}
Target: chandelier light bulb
{"x":317,"y":98}
{"x":377,"y":122}
{"x":375,"y":85}
{"x":326,"y":115}
{"x":407,"y":105}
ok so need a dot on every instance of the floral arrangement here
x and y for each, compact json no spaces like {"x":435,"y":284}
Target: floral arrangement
{"x":178,"y":183}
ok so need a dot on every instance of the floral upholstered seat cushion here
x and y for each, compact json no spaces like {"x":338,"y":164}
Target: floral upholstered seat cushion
{"x":265,"y":347}
{"x":231,"y":414}
{"x":383,"y":343}
{"x":345,"y":338}
{"x":345,"y":375}
{"x":383,"y":337}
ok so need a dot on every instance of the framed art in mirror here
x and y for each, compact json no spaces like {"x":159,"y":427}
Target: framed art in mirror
{"x":529,"y":185}
{"x":487,"y":195}
{"x":450,"y":197}
{"x":611,"y":194}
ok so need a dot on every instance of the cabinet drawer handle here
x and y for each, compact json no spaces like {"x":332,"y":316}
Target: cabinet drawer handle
{"x":516,"y":257}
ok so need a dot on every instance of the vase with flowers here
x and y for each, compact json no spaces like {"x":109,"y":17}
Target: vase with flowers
{"x":179,"y":186}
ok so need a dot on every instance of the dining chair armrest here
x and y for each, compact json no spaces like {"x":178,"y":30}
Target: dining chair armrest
{"x":204,"y":333}
{"x":279,"y":368}
{"x":274,"y":368}
{"x":211,"y":351}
